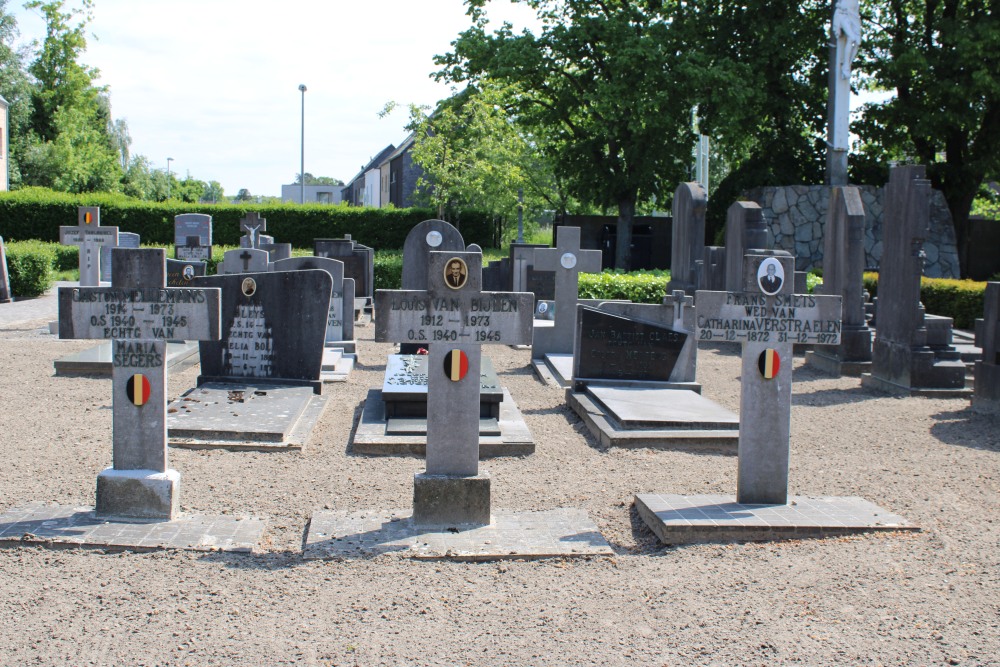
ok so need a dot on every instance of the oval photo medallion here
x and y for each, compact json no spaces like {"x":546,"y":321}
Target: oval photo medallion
{"x":434,"y":239}
{"x":456,"y":273}
{"x":188,"y":272}
{"x":249,"y":286}
{"x":770,"y":276}
{"x":568,"y":260}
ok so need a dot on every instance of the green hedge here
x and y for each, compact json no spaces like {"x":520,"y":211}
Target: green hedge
{"x":961,"y":300}
{"x":37,"y":213}
{"x":29,"y":265}
{"x":388,"y":270}
{"x":639,"y":287}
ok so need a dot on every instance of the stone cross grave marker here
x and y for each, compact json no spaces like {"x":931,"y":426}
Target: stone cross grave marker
{"x":766,"y":318}
{"x":89,"y":236}
{"x":253,"y":225}
{"x":4,"y":278}
{"x":125,"y":240}
{"x":193,"y":236}
{"x":139,"y":320}
{"x":568,"y":261}
{"x":459,"y":318}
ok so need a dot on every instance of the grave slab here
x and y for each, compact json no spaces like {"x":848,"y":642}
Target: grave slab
{"x":97,"y":360}
{"x":699,"y":519}
{"x":557,"y":533}
{"x":644,"y":417}
{"x":38,"y":524}
{"x":337,"y":364}
{"x":554,"y":369}
{"x":376,"y":434}
{"x":244,"y":417}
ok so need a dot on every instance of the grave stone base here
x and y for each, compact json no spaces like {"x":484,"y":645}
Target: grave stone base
{"x":677,"y":519}
{"x":97,"y":360}
{"x":442,"y":500}
{"x":830,"y":364}
{"x":558,"y":533}
{"x":628,"y":416}
{"x":138,"y":494}
{"x":507,"y":435}
{"x":244,"y":416}
{"x":554,"y":369}
{"x":337,"y":364}
{"x":986,"y":399}
{"x":61,"y":526}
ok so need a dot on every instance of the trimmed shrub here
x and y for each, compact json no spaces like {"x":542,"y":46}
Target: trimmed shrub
{"x":639,"y":286}
{"x":388,"y":270}
{"x":37,"y":213}
{"x":29,"y":265}
{"x":961,"y":300}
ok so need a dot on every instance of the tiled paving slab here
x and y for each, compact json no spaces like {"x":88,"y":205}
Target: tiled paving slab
{"x":554,"y":369}
{"x":251,"y":416}
{"x":97,"y":360}
{"x":376,"y":435}
{"x":62,"y":526}
{"x":558,"y":533}
{"x":654,"y":418}
{"x":677,"y":519}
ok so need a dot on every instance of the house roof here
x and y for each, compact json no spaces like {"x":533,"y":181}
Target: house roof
{"x":403,"y":147}
{"x":374,"y":162}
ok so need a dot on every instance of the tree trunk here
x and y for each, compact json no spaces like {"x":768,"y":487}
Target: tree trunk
{"x":960,"y":185}
{"x":623,"y":240}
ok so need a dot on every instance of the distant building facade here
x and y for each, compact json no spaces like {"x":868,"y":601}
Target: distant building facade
{"x":315,"y":194}
{"x":403,"y":174}
{"x":356,"y":192}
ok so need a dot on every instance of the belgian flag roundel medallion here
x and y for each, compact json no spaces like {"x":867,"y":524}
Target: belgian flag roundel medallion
{"x":456,"y":365}
{"x":138,"y":389}
{"x":769,"y":362}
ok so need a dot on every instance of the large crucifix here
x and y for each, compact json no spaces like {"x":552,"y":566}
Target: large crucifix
{"x":845,"y":32}
{"x":139,"y":314}
{"x":252,"y":225}
{"x":767,"y":318}
{"x":89,"y":236}
{"x":459,"y":318}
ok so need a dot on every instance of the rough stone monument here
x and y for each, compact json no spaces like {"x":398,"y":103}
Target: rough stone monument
{"x":908,"y":356}
{"x":125,"y":240}
{"x":766,"y":317}
{"x":89,"y":236}
{"x":986,"y":397}
{"x":745,"y":232}
{"x":688,"y":247}
{"x":568,"y":261}
{"x":193,"y":236}
{"x":5,"y":296}
{"x":359,"y":263}
{"x":843,"y":271}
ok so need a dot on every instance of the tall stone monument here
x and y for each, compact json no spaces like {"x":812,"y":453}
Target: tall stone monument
{"x":907,"y":357}
{"x":843,"y":272}
{"x":986,"y":398}
{"x":845,"y":32}
{"x":688,"y":247}
{"x":746,"y":231}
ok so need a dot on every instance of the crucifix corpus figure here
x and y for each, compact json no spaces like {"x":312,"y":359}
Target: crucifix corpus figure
{"x":846,"y":30}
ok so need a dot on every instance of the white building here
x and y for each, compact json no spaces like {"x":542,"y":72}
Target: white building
{"x":315,"y":194}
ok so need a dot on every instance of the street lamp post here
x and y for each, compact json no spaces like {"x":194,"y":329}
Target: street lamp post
{"x":169,"y":160}
{"x":302,"y":164}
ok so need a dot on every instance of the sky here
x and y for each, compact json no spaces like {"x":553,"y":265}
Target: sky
{"x":214,"y":84}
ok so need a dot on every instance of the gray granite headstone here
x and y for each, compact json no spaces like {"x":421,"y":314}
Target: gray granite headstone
{"x":522,"y":268}
{"x":181,"y":273}
{"x":273,"y":328}
{"x":125,"y":240}
{"x":745,"y":232}
{"x":244,"y":260}
{"x":340,"y":322}
{"x":568,"y":261}
{"x":904,"y":358}
{"x":766,"y":317}
{"x":139,"y":313}
{"x":359,"y":261}
{"x":712,"y":269}
{"x":425,"y":238}
{"x":986,"y":397}
{"x":193,"y":236}
{"x":687,"y":248}
{"x":459,"y":318}
{"x":4,"y":276}
{"x":89,"y":236}
{"x":615,"y":347}
{"x":277,"y":251}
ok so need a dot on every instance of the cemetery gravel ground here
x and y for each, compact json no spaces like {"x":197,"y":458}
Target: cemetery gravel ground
{"x":927,"y":598}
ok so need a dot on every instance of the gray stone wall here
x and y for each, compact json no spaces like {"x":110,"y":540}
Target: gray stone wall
{"x":796,"y":216}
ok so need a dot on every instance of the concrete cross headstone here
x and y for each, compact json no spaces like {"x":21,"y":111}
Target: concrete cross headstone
{"x":568,"y":261}
{"x":459,"y":318}
{"x":4,"y":277}
{"x":252,"y":226}
{"x":125,"y":240}
{"x":89,"y":236}
{"x":193,"y":236}
{"x":139,"y":314}
{"x":766,"y":317}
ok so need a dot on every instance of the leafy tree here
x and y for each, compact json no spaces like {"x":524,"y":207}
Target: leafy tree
{"x":244,"y":195}
{"x":318,"y":180}
{"x":77,"y":160}
{"x":610,"y":81}
{"x":213,"y":193}
{"x":940,"y":58}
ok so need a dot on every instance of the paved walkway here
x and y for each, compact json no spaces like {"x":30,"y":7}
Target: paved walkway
{"x":26,"y":310}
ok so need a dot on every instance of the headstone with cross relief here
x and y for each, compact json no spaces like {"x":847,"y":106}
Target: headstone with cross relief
{"x":459,"y":318}
{"x":244,"y":260}
{"x":568,"y":261}
{"x":89,"y":236}
{"x":766,"y":318}
{"x":139,"y":320}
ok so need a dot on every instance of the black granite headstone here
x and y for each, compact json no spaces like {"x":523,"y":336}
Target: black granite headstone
{"x":620,"y":348}
{"x":273,"y":328}
{"x":181,"y":274}
{"x":542,"y":284}
{"x":358,"y":261}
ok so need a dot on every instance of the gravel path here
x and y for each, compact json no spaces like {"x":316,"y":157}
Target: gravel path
{"x":926,"y":598}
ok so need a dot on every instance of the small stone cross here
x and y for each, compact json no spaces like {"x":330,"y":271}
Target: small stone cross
{"x":767,"y":321}
{"x":89,"y":236}
{"x":253,"y":225}
{"x":568,"y":261}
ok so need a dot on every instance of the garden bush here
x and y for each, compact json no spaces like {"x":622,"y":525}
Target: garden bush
{"x":961,"y":300}
{"x":29,"y":265}
{"x":638,"y":286}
